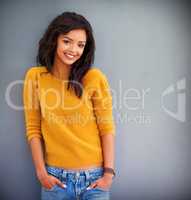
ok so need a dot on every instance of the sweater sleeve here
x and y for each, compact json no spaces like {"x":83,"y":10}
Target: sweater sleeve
{"x":31,"y":105}
{"x":102,"y":106}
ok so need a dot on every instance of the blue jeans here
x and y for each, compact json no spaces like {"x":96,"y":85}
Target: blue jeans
{"x":77,"y":183}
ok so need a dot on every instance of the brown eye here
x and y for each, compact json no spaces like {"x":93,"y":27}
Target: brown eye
{"x":81,"y":46}
{"x":66,"y":41}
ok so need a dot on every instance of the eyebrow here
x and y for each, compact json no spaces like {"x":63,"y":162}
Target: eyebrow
{"x":71,"y":38}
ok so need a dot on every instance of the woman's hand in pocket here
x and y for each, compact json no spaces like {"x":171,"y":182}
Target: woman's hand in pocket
{"x":48,"y":181}
{"x":104,"y":182}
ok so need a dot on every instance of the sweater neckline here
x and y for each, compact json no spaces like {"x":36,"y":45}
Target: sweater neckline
{"x":57,"y":79}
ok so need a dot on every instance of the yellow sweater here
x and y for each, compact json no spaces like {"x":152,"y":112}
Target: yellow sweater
{"x":70,"y":127}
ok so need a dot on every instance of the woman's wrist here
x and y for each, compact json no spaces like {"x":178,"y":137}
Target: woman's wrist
{"x":108,"y":175}
{"x":41,"y":173}
{"x":109,"y":172}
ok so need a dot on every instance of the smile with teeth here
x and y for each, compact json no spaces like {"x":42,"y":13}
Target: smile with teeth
{"x":69,"y":55}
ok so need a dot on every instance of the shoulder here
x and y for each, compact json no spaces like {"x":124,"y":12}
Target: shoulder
{"x":34,"y":71}
{"x":94,"y":73}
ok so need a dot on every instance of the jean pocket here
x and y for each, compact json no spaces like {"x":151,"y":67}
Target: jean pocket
{"x":51,"y":189}
{"x":102,"y":189}
{"x":64,"y":181}
{"x":95,"y":177}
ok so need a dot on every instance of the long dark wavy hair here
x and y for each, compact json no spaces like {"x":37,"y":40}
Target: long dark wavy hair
{"x":62,"y":24}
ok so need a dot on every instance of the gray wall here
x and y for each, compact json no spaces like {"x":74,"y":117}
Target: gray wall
{"x":144,"y":48}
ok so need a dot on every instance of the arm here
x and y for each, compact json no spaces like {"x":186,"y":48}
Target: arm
{"x":47,"y":181}
{"x":32,"y":114}
{"x":103,"y":109}
{"x":107,"y":141}
{"x":108,"y":149}
{"x":36,"y":147}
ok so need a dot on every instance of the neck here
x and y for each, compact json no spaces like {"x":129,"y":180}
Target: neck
{"x":61,"y":70}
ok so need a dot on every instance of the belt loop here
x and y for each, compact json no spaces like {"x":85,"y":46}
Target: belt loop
{"x":87,"y":174}
{"x":77,"y":174}
{"x":64,"y":174}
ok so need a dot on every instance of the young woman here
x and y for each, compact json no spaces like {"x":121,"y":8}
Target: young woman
{"x":68,"y":114}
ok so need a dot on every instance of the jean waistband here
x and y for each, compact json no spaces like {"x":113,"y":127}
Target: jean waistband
{"x":57,"y":171}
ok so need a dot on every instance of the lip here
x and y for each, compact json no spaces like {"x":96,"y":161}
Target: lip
{"x":71,"y":58}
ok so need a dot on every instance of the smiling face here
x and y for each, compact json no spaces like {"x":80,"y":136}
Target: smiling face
{"x":70,"y":46}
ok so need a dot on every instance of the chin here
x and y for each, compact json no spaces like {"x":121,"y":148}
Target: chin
{"x":68,"y":62}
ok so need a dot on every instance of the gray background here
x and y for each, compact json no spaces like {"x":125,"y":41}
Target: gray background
{"x":140,"y":45}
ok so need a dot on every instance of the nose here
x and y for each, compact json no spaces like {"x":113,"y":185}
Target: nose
{"x":73,"y":49}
